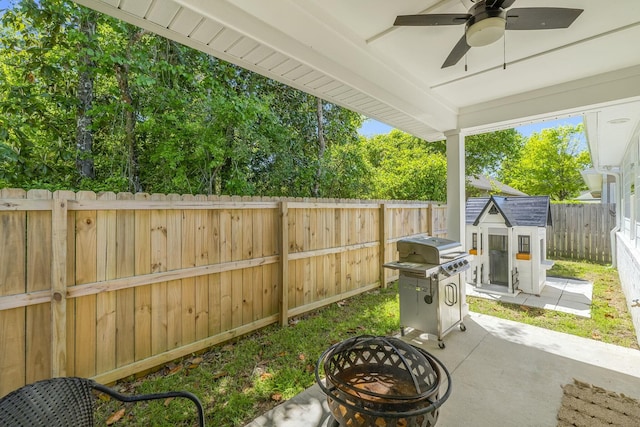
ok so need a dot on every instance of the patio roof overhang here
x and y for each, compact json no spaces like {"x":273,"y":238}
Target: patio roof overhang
{"x":349,"y":53}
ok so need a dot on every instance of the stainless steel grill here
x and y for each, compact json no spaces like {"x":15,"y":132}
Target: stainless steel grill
{"x":431,"y":285}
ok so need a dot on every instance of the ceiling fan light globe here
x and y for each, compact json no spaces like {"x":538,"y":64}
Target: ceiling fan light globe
{"x":486,"y":31}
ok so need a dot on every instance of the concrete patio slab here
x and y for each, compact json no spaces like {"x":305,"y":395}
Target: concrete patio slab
{"x":503,"y":374}
{"x":549,"y":302}
{"x":572,"y":296}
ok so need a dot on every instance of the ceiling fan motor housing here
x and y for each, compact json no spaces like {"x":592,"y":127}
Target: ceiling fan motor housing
{"x":485,"y":26}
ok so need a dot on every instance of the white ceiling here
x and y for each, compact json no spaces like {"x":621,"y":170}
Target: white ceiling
{"x":349,"y":53}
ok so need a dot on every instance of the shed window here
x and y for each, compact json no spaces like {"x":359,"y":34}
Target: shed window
{"x":474,"y":241}
{"x":493,"y":210}
{"x":524,"y":244}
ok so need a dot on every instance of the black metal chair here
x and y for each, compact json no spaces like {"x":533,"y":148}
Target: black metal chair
{"x":68,"y":401}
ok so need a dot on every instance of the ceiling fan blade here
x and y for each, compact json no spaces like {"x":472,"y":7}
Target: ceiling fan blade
{"x":502,"y":3}
{"x":432,"y":20}
{"x":458,"y":51}
{"x":541,"y":18}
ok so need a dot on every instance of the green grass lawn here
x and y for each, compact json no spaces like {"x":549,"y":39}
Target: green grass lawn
{"x":244,"y":378}
{"x":610,"y":321}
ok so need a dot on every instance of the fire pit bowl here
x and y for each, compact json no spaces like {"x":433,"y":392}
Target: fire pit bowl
{"x":382,"y":382}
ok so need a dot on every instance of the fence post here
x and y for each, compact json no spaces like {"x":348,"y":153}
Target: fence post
{"x":58,"y":286}
{"x":284,"y":263}
{"x":382,"y":221}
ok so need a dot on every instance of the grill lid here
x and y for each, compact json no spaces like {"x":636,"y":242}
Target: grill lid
{"x":441,"y":244}
{"x":426,"y":250}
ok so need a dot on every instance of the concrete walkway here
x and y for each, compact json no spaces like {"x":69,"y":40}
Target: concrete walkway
{"x":560,"y":294}
{"x":503,"y":374}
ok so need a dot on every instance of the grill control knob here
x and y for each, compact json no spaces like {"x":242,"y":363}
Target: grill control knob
{"x":449,"y":267}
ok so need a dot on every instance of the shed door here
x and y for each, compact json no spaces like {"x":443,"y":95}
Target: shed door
{"x":498,"y":260}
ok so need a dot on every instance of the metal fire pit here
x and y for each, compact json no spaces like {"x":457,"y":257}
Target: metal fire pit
{"x":382,"y":382}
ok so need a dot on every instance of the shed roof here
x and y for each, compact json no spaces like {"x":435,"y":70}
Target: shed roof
{"x":528,"y":211}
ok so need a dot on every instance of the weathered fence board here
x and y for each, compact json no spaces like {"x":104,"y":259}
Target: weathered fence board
{"x":581,"y":232}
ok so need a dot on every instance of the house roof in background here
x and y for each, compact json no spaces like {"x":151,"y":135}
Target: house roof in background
{"x":528,"y":211}
{"x":485,"y":183}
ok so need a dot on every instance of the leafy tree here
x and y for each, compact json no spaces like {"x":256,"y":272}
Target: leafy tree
{"x":37,"y":85}
{"x":90,"y":102}
{"x":484,"y":153}
{"x":406,"y":167}
{"x":348,"y":171}
{"x":549,"y":164}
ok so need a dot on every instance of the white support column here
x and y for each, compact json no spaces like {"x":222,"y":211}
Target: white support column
{"x":456,"y":197}
{"x":456,"y":201}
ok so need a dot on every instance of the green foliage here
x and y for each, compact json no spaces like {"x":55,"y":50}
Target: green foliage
{"x":348,"y":171}
{"x":164,"y":117}
{"x":549,"y":164}
{"x":485,"y":153}
{"x":38,"y":67}
{"x":406,"y":167}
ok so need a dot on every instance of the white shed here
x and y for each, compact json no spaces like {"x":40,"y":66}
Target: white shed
{"x":507,"y":236}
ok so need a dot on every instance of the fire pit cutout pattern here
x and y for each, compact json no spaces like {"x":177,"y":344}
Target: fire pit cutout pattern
{"x":382,"y":382}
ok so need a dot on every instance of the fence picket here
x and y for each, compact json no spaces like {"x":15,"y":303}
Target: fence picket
{"x":188,"y":255}
{"x":125,"y":298}
{"x":202,"y":249}
{"x":106,"y":301}
{"x":214,"y":279}
{"x":174,"y":287}
{"x":142,"y":345}
{"x":158,"y":249}
{"x":38,"y":317}
{"x":225,"y":277}
{"x":86,"y":272}
{"x":13,"y":244}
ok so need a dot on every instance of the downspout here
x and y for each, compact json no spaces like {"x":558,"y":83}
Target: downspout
{"x":612,"y":233}
{"x":607,"y":171}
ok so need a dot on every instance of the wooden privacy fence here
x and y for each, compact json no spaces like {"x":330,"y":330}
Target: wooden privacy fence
{"x":107,"y":285}
{"x":581,"y":231}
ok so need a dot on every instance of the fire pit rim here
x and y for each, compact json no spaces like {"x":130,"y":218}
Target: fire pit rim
{"x":433,"y":405}
{"x":364,"y":340}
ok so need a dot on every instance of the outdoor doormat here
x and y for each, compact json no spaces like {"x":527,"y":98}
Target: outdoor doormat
{"x":586,"y":405}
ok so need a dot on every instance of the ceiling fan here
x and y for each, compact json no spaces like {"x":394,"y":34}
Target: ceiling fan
{"x":487,"y":20}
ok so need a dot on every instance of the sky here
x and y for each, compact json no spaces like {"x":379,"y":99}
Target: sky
{"x":372,"y":127}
